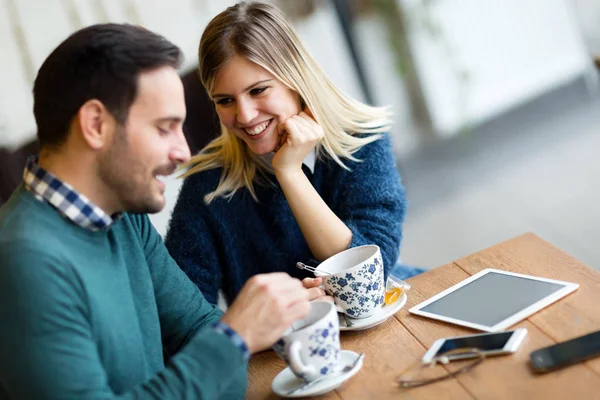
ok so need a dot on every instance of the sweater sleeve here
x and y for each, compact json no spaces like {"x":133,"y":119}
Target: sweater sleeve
{"x":191,"y":240}
{"x":372,"y":201}
{"x":182,"y":308}
{"x":47,"y":348}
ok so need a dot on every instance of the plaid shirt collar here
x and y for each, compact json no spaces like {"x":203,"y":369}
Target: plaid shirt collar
{"x":66,"y":200}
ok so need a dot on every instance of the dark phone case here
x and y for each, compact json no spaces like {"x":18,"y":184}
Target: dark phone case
{"x":566,"y":353}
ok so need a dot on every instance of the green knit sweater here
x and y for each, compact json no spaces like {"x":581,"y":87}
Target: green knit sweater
{"x":86,"y":315}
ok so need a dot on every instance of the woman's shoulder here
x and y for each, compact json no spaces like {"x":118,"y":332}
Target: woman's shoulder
{"x":378,"y":151}
{"x":198,"y":185}
{"x":374,"y":158}
{"x":382,"y":144}
{"x":202,"y":182}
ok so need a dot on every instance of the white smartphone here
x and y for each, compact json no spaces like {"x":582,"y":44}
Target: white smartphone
{"x":489,"y":343}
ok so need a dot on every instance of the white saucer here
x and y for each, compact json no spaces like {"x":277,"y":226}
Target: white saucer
{"x":286,"y":381}
{"x":358,"y":324}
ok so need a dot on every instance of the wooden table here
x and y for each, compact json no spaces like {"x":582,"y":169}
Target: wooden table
{"x":393,"y":346}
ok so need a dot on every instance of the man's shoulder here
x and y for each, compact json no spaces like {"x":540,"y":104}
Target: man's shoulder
{"x":26,"y":221}
{"x":134,"y":233}
{"x":31,"y":246}
{"x":34,"y":233}
{"x":133,"y":226}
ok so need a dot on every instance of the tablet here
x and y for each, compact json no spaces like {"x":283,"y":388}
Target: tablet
{"x":493,"y":300}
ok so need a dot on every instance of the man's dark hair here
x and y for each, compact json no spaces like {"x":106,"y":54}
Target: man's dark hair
{"x":100,"y":62}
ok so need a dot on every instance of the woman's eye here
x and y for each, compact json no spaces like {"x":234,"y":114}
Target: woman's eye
{"x":163,"y":131}
{"x":256,"y":91}
{"x":224,"y":101}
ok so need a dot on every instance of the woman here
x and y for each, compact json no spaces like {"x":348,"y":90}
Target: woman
{"x":300,"y":171}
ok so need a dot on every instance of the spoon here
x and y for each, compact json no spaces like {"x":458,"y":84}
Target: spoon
{"x":311,"y":269}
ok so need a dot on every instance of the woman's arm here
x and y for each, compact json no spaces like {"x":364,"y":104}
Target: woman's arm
{"x":370,"y":209}
{"x":324,"y":232}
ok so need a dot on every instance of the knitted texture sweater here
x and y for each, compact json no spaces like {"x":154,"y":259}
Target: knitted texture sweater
{"x":223,"y":244}
{"x":86,"y":315}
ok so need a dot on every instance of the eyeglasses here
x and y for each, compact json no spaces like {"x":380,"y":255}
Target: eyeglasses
{"x":409,"y":378}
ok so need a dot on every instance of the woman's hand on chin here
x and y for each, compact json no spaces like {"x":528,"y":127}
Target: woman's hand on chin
{"x":299,"y":135}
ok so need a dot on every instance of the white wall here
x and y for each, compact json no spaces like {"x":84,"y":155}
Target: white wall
{"x":386,"y":82}
{"x":587,"y":13}
{"x":510,"y":50}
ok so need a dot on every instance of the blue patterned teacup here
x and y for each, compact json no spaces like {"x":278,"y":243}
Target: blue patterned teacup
{"x":356,"y":280}
{"x":311,"y":347}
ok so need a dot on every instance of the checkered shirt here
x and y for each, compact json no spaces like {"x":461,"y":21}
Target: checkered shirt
{"x":66,"y":200}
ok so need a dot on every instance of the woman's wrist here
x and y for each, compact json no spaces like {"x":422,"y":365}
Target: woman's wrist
{"x":288,"y":173}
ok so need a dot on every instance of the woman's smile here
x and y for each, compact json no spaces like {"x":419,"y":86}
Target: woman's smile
{"x":258,"y":131}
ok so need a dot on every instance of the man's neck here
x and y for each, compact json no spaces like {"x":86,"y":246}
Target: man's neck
{"x":80,"y":173}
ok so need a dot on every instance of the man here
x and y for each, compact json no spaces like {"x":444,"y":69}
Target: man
{"x":89,"y":296}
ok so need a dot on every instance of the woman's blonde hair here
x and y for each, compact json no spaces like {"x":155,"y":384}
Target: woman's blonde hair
{"x":260,"y":33}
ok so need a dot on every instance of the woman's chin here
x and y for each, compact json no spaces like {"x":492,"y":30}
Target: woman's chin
{"x":262,"y":153}
{"x":262,"y":148}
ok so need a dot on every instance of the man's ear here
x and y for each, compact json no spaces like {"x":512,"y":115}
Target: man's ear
{"x":96,"y":124}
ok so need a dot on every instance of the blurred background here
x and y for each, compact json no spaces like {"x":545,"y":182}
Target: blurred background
{"x":496,"y":103}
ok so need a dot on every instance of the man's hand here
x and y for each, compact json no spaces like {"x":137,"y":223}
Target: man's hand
{"x":265,"y":307}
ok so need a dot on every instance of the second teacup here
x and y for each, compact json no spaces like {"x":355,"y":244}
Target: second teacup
{"x":355,"y":281}
{"x":311,"y":347}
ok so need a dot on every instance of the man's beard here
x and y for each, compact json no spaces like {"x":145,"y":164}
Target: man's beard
{"x":127,"y":178}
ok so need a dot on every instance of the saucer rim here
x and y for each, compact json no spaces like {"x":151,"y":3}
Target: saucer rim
{"x":338,"y":379}
{"x":394,"y":309}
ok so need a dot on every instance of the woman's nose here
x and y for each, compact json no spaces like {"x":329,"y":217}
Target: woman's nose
{"x":246,"y":112}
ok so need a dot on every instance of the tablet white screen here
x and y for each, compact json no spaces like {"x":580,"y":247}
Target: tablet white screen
{"x":492,"y":298}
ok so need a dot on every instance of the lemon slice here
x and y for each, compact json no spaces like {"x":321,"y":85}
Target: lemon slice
{"x":392,"y":295}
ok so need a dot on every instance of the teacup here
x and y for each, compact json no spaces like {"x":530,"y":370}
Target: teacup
{"x":311,"y":347}
{"x":355,"y":280}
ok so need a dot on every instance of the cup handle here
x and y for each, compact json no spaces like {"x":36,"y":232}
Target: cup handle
{"x":307,"y":372}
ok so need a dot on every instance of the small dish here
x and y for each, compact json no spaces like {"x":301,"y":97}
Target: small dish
{"x":359,"y":324}
{"x":286,"y":381}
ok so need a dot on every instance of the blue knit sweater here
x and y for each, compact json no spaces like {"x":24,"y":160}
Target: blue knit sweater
{"x":223,"y":244}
